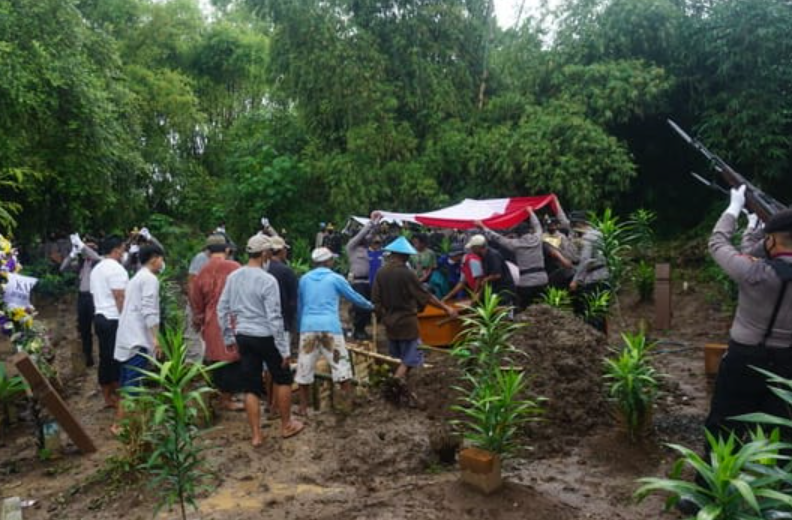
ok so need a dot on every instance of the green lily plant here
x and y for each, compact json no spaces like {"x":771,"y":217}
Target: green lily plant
{"x":632,"y":382}
{"x":495,"y":400}
{"x":737,"y":482}
{"x":558,"y":298}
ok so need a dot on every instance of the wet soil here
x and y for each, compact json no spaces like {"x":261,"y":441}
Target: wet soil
{"x":378,"y":463}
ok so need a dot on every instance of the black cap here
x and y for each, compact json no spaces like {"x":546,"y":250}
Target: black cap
{"x":781,"y":222}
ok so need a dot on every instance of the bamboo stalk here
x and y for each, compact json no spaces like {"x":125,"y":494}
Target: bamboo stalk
{"x":377,"y":356}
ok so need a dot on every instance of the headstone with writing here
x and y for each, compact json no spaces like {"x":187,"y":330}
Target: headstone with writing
{"x":17,"y":290}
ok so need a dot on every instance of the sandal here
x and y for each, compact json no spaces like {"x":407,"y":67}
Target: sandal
{"x":295,"y":427}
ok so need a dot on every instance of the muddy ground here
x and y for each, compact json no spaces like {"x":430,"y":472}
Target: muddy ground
{"x":378,"y":464}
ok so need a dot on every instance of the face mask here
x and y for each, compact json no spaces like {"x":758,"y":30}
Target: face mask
{"x":162,"y":267}
{"x":125,"y":257}
{"x":265,"y":265}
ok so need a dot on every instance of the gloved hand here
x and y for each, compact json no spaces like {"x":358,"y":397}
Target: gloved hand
{"x":265,"y":222}
{"x":145,"y":233}
{"x":753,"y":222}
{"x":737,"y":201}
{"x":134,"y":248}
{"x":77,"y":242}
{"x":74,"y":252}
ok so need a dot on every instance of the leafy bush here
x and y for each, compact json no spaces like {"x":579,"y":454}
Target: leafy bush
{"x":558,"y":298}
{"x":177,"y":398}
{"x":640,"y":223}
{"x":632,"y":382}
{"x":494,"y":410}
{"x":11,"y":388}
{"x":597,"y":304}
{"x":494,"y":405}
{"x":614,"y":244}
{"x":737,"y":482}
{"x":643,"y":277}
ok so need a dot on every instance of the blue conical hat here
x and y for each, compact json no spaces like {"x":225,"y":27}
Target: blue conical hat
{"x":401,"y":245}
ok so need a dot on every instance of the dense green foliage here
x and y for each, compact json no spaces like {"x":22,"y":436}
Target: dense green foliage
{"x":113,"y":110}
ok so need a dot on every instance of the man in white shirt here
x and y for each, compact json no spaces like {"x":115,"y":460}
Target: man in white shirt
{"x":139,"y":323}
{"x":108,"y":282}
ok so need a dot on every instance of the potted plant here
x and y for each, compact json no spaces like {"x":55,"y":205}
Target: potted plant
{"x":494,"y":403}
{"x":11,"y":388}
{"x":632,"y":384}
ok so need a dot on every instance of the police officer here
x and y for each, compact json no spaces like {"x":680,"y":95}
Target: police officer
{"x":761,"y":333}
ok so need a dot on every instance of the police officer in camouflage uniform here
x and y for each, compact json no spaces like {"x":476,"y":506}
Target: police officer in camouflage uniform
{"x":761,"y":333}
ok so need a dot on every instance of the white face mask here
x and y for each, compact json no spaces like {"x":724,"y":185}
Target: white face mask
{"x":125,"y":257}
{"x":162,"y":267}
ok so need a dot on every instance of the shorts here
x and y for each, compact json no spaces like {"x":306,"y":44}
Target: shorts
{"x":334,"y":350}
{"x":254,"y":351}
{"x":228,"y":378}
{"x":407,"y":351}
{"x":131,"y":378}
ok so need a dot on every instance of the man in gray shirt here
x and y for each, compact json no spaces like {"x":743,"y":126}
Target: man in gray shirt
{"x":250,"y":318}
{"x":357,"y":250}
{"x":82,"y":259}
{"x":761,"y":333}
{"x":528,"y":254}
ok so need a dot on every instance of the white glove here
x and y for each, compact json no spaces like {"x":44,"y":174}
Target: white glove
{"x":753,"y":222}
{"x":737,"y":201}
{"x":265,"y":222}
{"x":145,"y":233}
{"x":134,"y":248}
{"x":74,"y":252}
{"x":78,"y":243}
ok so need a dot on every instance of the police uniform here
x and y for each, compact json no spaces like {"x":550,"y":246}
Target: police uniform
{"x":761,"y":333}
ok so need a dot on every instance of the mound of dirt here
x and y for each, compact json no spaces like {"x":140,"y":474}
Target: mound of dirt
{"x":565,"y":365}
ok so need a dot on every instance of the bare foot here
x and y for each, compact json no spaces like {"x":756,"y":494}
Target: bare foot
{"x":257,"y":441}
{"x":294,"y":428}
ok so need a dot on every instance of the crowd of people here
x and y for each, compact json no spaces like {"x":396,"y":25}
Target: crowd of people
{"x":252,"y":320}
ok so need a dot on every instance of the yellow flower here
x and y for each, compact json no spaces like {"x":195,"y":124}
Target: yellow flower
{"x":18,"y":314}
{"x":5,"y":245}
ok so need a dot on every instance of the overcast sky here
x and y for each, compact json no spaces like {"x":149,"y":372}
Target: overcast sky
{"x":507,"y":10}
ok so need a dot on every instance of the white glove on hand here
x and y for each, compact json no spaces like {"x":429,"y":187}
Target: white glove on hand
{"x":134,"y":248}
{"x":737,"y":201}
{"x":753,"y":222}
{"x":74,"y":252}
{"x":78,"y":243}
{"x":145,"y":233}
{"x":265,"y":222}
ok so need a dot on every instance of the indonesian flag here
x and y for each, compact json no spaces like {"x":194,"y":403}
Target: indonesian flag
{"x":494,"y":213}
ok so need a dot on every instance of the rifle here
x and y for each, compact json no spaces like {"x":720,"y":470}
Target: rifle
{"x":756,"y":200}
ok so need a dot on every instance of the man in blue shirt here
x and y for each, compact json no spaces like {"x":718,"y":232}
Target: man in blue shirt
{"x":320,"y":326}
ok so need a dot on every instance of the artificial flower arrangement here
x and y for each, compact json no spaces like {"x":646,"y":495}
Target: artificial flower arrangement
{"x":18,"y":323}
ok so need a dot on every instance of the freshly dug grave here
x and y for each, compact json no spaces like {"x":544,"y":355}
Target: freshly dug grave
{"x":564,"y":365}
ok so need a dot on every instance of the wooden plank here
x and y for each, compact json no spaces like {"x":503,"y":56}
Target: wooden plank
{"x":52,"y":401}
{"x":378,"y":357}
{"x":12,"y":509}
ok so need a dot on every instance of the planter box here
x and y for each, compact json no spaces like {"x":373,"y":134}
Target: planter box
{"x":481,"y":469}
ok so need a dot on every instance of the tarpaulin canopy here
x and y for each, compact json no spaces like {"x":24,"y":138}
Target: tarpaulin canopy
{"x":494,"y":213}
